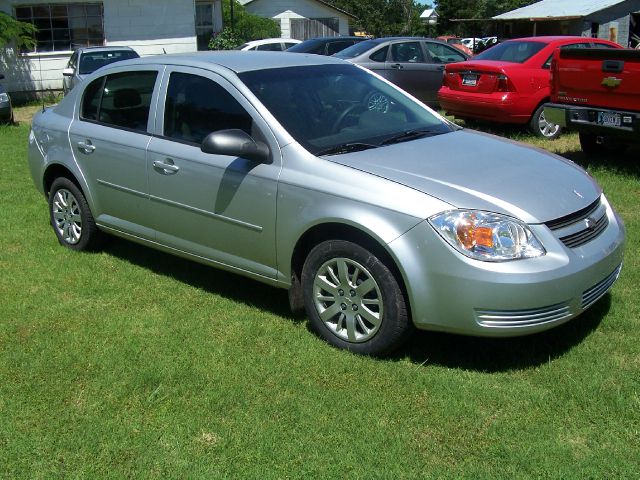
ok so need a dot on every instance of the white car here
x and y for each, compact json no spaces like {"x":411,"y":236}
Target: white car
{"x":270,"y":44}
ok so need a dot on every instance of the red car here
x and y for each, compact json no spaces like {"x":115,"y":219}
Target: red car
{"x":508,"y":83}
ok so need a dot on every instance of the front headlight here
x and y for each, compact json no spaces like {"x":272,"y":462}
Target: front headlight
{"x":4,"y":98}
{"x":487,"y":236}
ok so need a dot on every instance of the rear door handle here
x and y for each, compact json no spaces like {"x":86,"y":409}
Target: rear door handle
{"x":86,"y":147}
{"x":167,"y":168}
{"x":397,"y":66}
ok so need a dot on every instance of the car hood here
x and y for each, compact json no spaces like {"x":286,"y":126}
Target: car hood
{"x":473,"y":170}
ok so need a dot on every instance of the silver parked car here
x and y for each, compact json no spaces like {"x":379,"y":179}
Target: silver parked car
{"x":87,"y":60}
{"x":311,"y":174}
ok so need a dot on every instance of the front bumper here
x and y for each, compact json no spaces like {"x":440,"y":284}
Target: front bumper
{"x":453,"y":293}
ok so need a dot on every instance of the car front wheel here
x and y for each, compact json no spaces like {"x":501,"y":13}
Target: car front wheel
{"x":71,"y":218}
{"x":353,"y":300}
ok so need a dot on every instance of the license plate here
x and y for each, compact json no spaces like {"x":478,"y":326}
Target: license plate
{"x":470,"y":80}
{"x":609,"y":119}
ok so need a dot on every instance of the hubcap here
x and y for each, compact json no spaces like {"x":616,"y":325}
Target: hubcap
{"x":547,"y":128}
{"x":348,"y":300}
{"x":66,"y":216}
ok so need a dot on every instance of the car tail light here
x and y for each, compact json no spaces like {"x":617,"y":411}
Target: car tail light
{"x":449,"y":79}
{"x":503,"y":84}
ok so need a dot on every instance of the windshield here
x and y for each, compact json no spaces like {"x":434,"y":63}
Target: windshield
{"x":512,"y":51}
{"x":356,"y":49}
{"x":91,"y":61}
{"x":326,"y":107}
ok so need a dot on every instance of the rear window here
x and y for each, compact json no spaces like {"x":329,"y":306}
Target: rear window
{"x":513,"y":51}
{"x":91,"y":61}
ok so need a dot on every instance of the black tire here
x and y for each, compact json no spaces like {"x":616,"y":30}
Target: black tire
{"x":71,"y":218}
{"x":590,"y":146}
{"x":352,"y":306}
{"x":541,"y":128}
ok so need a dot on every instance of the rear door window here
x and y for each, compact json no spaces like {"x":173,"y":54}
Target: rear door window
{"x":120,"y":100}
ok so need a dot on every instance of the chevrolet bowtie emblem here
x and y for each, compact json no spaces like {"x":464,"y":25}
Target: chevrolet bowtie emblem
{"x":611,"y":82}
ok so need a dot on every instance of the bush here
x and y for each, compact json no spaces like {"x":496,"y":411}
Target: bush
{"x":246,"y":27}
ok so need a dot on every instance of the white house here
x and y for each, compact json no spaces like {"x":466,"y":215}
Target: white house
{"x":302,"y":19}
{"x":149,"y":27}
{"x":429,"y":16}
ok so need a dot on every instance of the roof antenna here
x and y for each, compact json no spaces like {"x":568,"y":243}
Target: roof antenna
{"x":165,"y":52}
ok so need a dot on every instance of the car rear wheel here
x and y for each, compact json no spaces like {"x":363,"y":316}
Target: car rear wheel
{"x":541,"y":127}
{"x":71,"y":218}
{"x":353,"y":300}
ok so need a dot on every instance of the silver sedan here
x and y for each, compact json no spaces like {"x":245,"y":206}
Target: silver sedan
{"x":314,"y":175}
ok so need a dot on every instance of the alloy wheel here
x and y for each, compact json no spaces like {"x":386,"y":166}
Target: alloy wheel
{"x":67,"y":216}
{"x":348,"y":300}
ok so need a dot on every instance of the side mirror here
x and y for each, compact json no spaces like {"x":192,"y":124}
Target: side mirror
{"x":68,"y":72}
{"x":235,"y":143}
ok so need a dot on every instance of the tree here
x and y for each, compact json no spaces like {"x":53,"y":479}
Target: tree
{"x":384,"y":17}
{"x":452,"y":9}
{"x":246,"y":27}
{"x":22,"y":33}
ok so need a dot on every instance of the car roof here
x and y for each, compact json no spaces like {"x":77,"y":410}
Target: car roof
{"x":552,"y":38}
{"x":271,"y":40}
{"x":235,"y":60}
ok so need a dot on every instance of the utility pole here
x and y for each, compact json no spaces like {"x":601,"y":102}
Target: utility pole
{"x":231,"y":2}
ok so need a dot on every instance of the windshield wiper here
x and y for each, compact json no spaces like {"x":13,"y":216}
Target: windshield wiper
{"x":346,"y":148}
{"x":409,"y":135}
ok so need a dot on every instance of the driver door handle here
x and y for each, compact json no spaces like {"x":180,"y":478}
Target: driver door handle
{"x":168,"y":168}
{"x":86,"y":147}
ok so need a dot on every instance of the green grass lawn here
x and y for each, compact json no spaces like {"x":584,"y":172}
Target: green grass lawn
{"x":132,"y":363}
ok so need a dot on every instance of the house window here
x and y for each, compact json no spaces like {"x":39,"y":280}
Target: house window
{"x":64,"y":27}
{"x":208,"y":14}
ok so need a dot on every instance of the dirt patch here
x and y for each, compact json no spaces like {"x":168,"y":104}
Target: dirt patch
{"x":25,"y":114}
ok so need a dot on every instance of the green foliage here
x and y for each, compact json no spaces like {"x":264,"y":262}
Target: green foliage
{"x":244,"y":28}
{"x":384,"y":17}
{"x":452,"y":9}
{"x":225,"y":40}
{"x":11,"y":30}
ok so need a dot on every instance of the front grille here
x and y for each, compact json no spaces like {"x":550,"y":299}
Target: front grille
{"x":582,"y":225}
{"x":595,"y":293}
{"x":574,"y":217}
{"x":522,"y":318}
{"x":586,"y":235}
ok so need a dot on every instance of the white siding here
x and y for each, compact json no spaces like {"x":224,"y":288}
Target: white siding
{"x":285,"y":10}
{"x":150,"y":28}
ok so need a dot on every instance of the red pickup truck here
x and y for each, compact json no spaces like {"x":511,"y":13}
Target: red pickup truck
{"x":597,"y":92}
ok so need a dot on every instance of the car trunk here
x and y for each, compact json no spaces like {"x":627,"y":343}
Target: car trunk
{"x":476,"y":77}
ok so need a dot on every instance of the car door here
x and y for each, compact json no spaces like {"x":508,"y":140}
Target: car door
{"x":109,"y":137}
{"x":217,"y":207}
{"x":407,"y":67}
{"x":438,"y":55}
